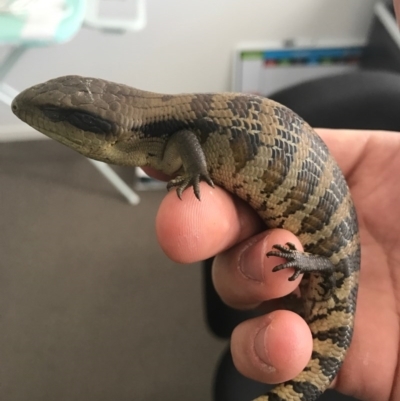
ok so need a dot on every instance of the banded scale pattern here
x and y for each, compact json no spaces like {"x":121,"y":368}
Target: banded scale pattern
{"x":251,"y":146}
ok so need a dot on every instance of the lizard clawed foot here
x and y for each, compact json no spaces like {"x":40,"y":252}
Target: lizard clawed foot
{"x":303,"y":262}
{"x":295,"y":259}
{"x":185,"y":181}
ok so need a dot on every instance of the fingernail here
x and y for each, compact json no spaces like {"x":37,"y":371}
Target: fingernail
{"x":260,"y":346}
{"x":248,"y":265}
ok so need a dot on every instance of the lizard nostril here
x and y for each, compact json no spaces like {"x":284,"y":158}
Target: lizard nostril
{"x":14,"y":107}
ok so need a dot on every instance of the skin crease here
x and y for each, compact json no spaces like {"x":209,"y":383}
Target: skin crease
{"x":224,"y":226}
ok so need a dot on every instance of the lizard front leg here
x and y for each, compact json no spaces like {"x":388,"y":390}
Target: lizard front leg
{"x":183,"y":153}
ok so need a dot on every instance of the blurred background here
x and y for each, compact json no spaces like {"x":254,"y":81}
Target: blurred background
{"x":90,"y":308}
{"x":187,"y":46}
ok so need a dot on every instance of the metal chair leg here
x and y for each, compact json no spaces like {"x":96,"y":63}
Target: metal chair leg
{"x":132,"y":197}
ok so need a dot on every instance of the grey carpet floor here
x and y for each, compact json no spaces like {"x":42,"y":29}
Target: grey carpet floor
{"x":90,"y":307}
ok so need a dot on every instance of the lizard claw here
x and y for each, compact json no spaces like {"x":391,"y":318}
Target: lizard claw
{"x":293,"y":257}
{"x":183,"y":182}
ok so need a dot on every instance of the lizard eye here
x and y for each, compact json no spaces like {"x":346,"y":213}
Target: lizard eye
{"x":53,"y":113}
{"x":89,"y":122}
{"x":80,"y":119}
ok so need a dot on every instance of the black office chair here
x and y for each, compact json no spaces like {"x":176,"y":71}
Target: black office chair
{"x":359,"y":100}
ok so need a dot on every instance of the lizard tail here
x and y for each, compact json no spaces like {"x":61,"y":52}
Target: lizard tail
{"x":331,"y":322}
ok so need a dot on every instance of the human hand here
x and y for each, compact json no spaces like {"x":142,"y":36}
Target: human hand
{"x":222,"y":225}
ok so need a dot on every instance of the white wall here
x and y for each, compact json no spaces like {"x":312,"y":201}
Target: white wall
{"x":187,"y":44}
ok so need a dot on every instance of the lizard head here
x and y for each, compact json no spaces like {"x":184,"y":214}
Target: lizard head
{"x":86,"y":114}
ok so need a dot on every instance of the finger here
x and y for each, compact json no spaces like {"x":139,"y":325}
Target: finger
{"x":346,"y":146}
{"x":243,"y":275}
{"x":190,"y":230}
{"x":272,"y":348}
{"x":356,"y":150}
{"x":158,"y":175}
